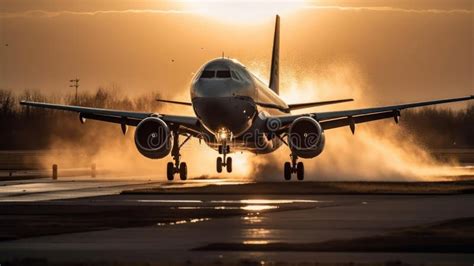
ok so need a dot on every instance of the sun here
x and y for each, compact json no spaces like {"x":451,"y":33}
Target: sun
{"x":244,"y":11}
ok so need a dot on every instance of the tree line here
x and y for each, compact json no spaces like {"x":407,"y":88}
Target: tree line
{"x":438,"y":128}
{"x":29,"y":128}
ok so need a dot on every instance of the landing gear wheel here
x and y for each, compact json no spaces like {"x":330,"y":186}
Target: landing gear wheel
{"x":300,"y":171}
{"x":183,"y":171}
{"x":287,"y":171}
{"x":170,"y":171}
{"x":219,"y":165}
{"x":229,"y":165}
{"x":177,"y":167}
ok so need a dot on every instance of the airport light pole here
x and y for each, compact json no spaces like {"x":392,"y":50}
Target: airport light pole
{"x":74,"y":84}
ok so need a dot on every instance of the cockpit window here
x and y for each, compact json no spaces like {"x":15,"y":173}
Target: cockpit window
{"x":235,"y":75}
{"x":223,"y":74}
{"x":208,"y":74}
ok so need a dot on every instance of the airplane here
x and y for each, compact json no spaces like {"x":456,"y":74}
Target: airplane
{"x":236,"y":111}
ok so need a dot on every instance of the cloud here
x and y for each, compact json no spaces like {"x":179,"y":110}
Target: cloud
{"x":50,"y":14}
{"x":391,"y":9}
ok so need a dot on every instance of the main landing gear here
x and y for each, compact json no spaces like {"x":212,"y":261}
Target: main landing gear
{"x":293,"y":167}
{"x":224,"y":161}
{"x":177,"y":166}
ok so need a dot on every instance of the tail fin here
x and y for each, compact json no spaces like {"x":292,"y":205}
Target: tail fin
{"x":274,"y":70}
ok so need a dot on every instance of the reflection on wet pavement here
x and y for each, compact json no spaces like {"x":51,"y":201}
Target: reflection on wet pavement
{"x":170,"y":201}
{"x":43,"y":189}
{"x":253,"y":225}
{"x":250,"y":205}
{"x":258,"y":207}
{"x":255,"y":242}
{"x":265,"y":201}
{"x":253,"y":231}
{"x":251,"y":219}
{"x":192,"y":221}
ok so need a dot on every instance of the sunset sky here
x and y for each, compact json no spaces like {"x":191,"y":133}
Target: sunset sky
{"x":401,"y":50}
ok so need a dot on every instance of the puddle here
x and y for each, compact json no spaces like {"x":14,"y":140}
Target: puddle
{"x":258,"y":207}
{"x":172,"y":201}
{"x":255,"y":242}
{"x":265,"y":201}
{"x":208,"y":208}
{"x":251,"y":208}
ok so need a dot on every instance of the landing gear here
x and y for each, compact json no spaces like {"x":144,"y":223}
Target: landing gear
{"x":287,"y":171}
{"x":177,"y":166}
{"x":300,"y":171}
{"x":224,"y":161}
{"x":293,"y":167}
{"x":183,"y":171}
{"x":229,"y":165}
{"x":219,"y":165}
{"x":170,"y":171}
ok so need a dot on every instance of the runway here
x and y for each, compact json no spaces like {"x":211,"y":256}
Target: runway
{"x":43,"y":189}
{"x":248,"y":219}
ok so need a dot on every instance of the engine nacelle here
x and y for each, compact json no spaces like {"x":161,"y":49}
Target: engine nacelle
{"x":306,"y":137}
{"x":153,"y":138}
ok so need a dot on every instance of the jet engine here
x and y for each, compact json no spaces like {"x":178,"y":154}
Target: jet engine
{"x":153,"y":138}
{"x":306,"y":137}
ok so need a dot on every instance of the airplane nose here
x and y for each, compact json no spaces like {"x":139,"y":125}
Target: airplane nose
{"x":232,"y":113}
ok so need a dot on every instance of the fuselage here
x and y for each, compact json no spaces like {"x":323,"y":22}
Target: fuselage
{"x":224,"y":94}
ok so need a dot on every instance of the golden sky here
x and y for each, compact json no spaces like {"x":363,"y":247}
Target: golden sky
{"x":403,"y":50}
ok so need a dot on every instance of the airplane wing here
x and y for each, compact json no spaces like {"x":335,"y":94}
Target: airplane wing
{"x":314,"y":104}
{"x":117,"y":116}
{"x":335,"y":119}
{"x":174,"y":102}
{"x":296,"y":106}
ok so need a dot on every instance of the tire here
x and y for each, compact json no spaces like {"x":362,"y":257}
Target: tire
{"x":170,"y":171}
{"x":300,"y":171}
{"x":229,"y":165}
{"x":287,"y":171}
{"x":183,"y":171}
{"x":219,"y":165}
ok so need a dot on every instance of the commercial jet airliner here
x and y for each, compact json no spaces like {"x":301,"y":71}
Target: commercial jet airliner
{"x":236,"y":111}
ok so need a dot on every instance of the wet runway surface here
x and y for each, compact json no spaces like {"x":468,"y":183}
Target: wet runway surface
{"x":43,"y":189}
{"x":263,"y":219}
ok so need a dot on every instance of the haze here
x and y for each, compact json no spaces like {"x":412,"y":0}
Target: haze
{"x":405,"y":50}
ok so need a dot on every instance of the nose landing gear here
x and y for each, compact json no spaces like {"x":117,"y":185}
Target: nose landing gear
{"x":224,"y":161}
{"x":293,"y":167}
{"x":177,"y":166}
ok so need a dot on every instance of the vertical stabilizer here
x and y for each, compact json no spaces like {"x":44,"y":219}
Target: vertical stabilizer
{"x":274,"y":70}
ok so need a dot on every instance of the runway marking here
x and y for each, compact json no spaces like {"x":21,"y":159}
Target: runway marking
{"x":265,"y":201}
{"x":170,"y":201}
